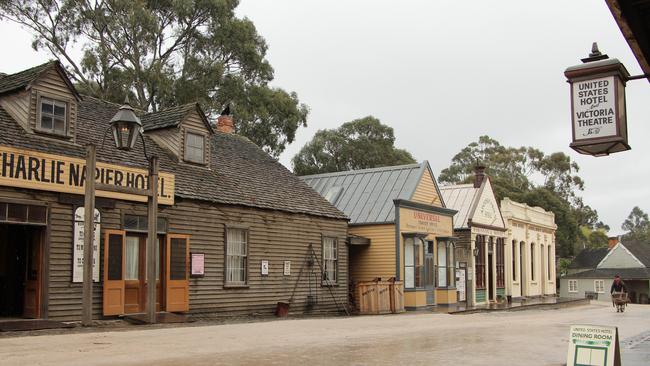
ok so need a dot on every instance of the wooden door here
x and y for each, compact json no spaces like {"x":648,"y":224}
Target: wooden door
{"x":160,"y":252}
{"x":114,"y":253}
{"x":32,"y":299}
{"x":134,"y":273}
{"x":177,"y":284}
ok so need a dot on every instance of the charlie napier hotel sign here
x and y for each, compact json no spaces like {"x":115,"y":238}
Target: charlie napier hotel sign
{"x":598,"y":113}
{"x":35,"y":170}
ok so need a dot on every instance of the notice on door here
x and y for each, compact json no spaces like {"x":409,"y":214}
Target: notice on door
{"x":78,"y":246}
{"x":460,"y":284}
{"x":593,"y":345}
{"x":594,"y":108}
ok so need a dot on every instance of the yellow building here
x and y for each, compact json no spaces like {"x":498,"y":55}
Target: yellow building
{"x":399,"y":227}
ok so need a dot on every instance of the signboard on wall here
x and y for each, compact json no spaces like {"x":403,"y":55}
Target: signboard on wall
{"x":593,"y":345}
{"x":425,"y":222}
{"x":56,"y":173}
{"x":197,"y":265}
{"x":78,"y":245}
{"x":460,"y":284}
{"x":287,"y":268}
{"x":265,"y":268}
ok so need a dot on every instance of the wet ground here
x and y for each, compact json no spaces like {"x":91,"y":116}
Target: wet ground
{"x":531,"y":337}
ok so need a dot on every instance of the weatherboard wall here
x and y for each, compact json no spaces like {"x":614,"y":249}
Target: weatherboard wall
{"x":377,"y":259}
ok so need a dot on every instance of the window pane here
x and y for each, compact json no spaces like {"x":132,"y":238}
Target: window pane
{"x":442,"y":253}
{"x":177,"y":259}
{"x":130,"y":222}
{"x":3,"y":211}
{"x":37,"y":214}
{"x":442,"y":276}
{"x":194,"y":145}
{"x":409,"y":277}
{"x":131,"y":261}
{"x":408,"y":252}
{"x":46,"y":123}
{"x":236,"y":255}
{"x":46,"y":106}
{"x":59,"y":110}
{"x":115,"y":257}
{"x":17,"y":213}
{"x":59,"y":125}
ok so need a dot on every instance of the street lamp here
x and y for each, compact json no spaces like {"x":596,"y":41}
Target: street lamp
{"x":126,"y":127}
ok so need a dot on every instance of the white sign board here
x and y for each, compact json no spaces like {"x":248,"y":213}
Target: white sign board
{"x":78,"y":246}
{"x":593,"y":345}
{"x":594,"y":108}
{"x":287,"y":268}
{"x":460,"y":284}
{"x":265,"y":268}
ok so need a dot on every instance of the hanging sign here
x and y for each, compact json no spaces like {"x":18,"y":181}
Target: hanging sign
{"x":593,"y":345}
{"x":78,"y":246}
{"x":197,"y":265}
{"x":598,"y":116}
{"x":35,"y":170}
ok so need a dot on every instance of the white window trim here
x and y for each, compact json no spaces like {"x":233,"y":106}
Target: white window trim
{"x":335,"y":259}
{"x":602,"y":287}
{"x":575,"y":286}
{"x":185,"y":156}
{"x":39,"y":114}
{"x":245,"y":255}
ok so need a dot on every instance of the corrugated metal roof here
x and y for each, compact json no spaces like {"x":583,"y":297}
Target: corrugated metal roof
{"x":366,"y":196}
{"x":460,"y":198}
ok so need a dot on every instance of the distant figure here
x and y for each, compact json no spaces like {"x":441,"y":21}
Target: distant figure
{"x":226,"y":111}
{"x":618,"y":285}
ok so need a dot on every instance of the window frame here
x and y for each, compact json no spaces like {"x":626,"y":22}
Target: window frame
{"x":575,"y":286}
{"x":602,"y":286}
{"x":514,"y":261}
{"x":39,"y":115}
{"x":326,"y":281}
{"x":501,"y":263}
{"x":418,"y":269}
{"x":532,"y":262}
{"x":449,"y":265}
{"x":185,"y":147}
{"x":226,"y":268}
{"x":481,"y":263}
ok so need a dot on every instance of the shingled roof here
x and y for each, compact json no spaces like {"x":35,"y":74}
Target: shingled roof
{"x":22,"y":79}
{"x":588,"y":258}
{"x":241,"y":173}
{"x":170,"y":117}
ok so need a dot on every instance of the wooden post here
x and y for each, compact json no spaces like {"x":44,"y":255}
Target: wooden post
{"x":89,"y":222}
{"x":152,"y":239}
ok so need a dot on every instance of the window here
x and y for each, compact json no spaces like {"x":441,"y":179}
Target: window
{"x":330,"y":261}
{"x":413,"y":262}
{"x":446,"y":264}
{"x":514,"y":262}
{"x":573,"y":285}
{"x":599,"y":286}
{"x":194,"y":148}
{"x":132,"y":258}
{"x":480,"y":262}
{"x":141,"y":224}
{"x":19,"y":213}
{"x":532,"y":262}
{"x":501,"y":270}
{"x":53,"y":116}
{"x":236,"y":256}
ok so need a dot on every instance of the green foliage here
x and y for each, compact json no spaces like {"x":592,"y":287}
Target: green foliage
{"x":166,"y":53}
{"x":358,"y":144}
{"x":512,"y":172}
{"x":563,"y":266}
{"x":637,"y":226}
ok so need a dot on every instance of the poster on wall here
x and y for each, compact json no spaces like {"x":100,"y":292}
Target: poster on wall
{"x":265,"y":268}
{"x":287,"y":268}
{"x":78,"y":246}
{"x":198,"y":265}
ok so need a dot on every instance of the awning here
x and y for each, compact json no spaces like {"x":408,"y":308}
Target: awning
{"x":358,"y":240}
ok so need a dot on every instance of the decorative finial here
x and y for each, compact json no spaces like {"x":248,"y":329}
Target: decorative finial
{"x":595,"y":54}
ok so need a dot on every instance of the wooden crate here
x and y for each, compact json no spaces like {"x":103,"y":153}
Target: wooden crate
{"x":383,"y":298}
{"x":397,"y":297}
{"x":366,"y":294}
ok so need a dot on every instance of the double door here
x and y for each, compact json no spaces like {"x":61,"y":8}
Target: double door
{"x":125,"y":285}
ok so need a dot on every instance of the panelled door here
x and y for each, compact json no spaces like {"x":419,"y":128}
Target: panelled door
{"x":32,"y":300}
{"x":114,"y":254}
{"x":177,"y":284}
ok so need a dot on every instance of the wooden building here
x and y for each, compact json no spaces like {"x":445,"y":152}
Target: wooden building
{"x":400,"y":228}
{"x":235,"y":227}
{"x":481,"y":234}
{"x":530,"y":250}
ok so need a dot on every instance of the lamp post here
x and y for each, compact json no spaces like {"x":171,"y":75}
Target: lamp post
{"x":125,"y":127}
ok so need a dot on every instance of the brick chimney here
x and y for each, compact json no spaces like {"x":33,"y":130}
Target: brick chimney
{"x":225,"y":124}
{"x":612,"y":241}
{"x":479,"y":175}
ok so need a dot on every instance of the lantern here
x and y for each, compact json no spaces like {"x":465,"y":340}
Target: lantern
{"x":598,"y":115}
{"x":126,"y":127}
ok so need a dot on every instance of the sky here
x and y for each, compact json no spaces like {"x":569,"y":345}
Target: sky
{"x":442,"y":74}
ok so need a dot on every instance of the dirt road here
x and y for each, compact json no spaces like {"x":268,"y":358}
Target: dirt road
{"x":535,"y":337}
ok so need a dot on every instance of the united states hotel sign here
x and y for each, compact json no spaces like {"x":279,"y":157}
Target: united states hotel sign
{"x":47,"y":172}
{"x":594,"y":108}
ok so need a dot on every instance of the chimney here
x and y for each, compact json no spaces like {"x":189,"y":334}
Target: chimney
{"x":225,"y":124}
{"x":612,"y":241}
{"x":479,"y":175}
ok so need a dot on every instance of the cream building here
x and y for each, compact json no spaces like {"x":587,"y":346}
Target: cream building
{"x":530,"y":250}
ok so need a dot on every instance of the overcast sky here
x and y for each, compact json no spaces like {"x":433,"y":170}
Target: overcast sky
{"x":442,"y":74}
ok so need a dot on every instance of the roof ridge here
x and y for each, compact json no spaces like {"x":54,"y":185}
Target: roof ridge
{"x":366,"y":170}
